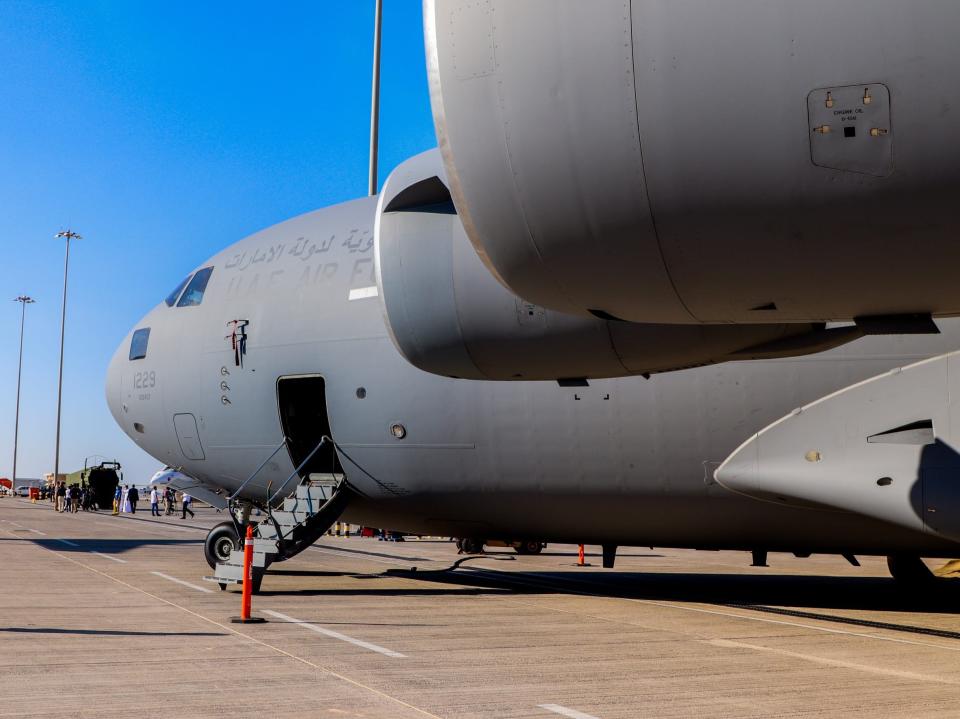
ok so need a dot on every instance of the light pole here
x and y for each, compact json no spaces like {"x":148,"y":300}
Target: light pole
{"x":375,"y":100}
{"x":66,"y":235}
{"x":24,"y":301}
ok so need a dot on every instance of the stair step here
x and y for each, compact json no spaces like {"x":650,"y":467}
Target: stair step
{"x":266,"y":530}
{"x":236,"y":558}
{"x":228,"y":572}
{"x":325,"y":479}
{"x":263,"y":545}
{"x":315,"y":493}
{"x":291,"y":519}
{"x":310,"y":504}
{"x":298,"y":504}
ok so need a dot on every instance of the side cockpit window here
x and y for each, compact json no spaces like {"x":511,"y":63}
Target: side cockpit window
{"x":138,"y":343}
{"x":193,"y":295}
{"x":172,"y":297}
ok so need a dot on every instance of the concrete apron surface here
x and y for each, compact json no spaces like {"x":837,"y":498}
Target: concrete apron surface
{"x":107,"y":617}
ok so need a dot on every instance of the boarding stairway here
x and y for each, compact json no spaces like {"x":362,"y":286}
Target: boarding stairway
{"x":304,"y":517}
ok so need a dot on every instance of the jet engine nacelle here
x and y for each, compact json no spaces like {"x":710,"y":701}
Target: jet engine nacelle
{"x":449,"y":316}
{"x":703,"y":161}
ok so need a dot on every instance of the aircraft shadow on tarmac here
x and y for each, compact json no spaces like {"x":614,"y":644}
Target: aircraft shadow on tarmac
{"x":753,"y":591}
{"x":331,"y":548}
{"x":106,"y":632}
{"x":308,"y":573}
{"x":110,"y":546}
{"x":588,"y":554}
{"x":380,"y":592}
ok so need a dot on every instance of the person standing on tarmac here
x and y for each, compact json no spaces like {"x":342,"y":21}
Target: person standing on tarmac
{"x":61,"y":496}
{"x":134,"y":498}
{"x":117,"y":493}
{"x":154,"y":502}
{"x":187,"y":501}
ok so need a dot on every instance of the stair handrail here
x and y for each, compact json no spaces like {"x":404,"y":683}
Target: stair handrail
{"x":257,"y":470}
{"x":295,"y":472}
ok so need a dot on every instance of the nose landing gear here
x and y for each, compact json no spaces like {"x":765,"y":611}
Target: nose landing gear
{"x":220,"y":541}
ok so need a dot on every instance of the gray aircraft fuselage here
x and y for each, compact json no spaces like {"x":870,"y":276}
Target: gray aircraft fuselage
{"x":624,"y":461}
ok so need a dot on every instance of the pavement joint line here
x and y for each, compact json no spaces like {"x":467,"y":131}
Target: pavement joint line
{"x":66,"y":541}
{"x":336,"y":635}
{"x":565,"y":711}
{"x":368,"y":553}
{"x":108,"y":556}
{"x":173,"y":527}
{"x":142,"y":530}
{"x":232,"y":630}
{"x":129,"y":517}
{"x":334,"y":553}
{"x":186,"y":584}
{"x":714,"y":612}
{"x":825,"y":661}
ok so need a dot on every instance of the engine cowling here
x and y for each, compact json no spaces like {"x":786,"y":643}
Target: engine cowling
{"x":449,"y":316}
{"x":707,"y":162}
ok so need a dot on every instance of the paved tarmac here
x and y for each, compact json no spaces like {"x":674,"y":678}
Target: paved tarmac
{"x":109,"y":617}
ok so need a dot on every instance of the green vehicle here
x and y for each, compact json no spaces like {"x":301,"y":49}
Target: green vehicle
{"x":103,"y":480}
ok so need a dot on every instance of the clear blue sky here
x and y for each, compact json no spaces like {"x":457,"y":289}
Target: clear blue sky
{"x":163,"y":132}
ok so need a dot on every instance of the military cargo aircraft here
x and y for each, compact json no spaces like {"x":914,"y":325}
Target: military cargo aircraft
{"x":635,"y":297}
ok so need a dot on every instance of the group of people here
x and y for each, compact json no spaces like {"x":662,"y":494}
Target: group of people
{"x":76,"y":497}
{"x":125,"y":499}
{"x":73,"y":498}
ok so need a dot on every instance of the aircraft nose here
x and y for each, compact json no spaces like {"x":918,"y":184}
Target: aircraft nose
{"x":114,"y":383}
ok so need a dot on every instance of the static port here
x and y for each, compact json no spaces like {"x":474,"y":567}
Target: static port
{"x":850,"y":131}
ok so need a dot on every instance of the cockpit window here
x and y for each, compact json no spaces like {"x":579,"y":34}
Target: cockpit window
{"x":193,"y":295}
{"x":138,"y":343}
{"x":172,"y":297}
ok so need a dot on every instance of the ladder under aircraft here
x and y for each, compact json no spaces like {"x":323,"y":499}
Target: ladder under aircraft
{"x":305,"y":515}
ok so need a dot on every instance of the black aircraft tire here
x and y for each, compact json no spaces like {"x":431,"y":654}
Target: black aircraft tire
{"x":529,"y":547}
{"x":216,"y":547}
{"x":472,"y":546}
{"x":909,"y":570}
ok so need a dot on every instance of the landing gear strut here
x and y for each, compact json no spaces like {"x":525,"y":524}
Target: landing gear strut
{"x":909,"y":570}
